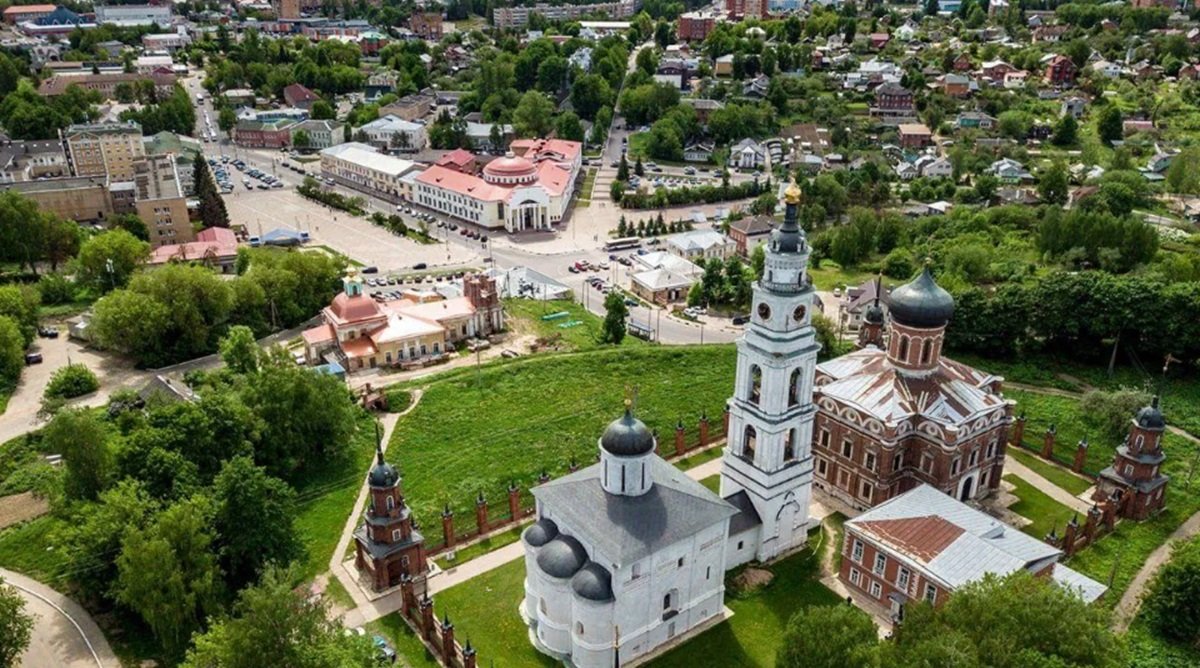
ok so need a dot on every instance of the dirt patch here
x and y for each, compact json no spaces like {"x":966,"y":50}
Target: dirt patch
{"x":21,"y":508}
{"x":752,"y":579}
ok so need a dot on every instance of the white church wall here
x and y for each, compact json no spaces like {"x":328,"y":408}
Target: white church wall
{"x":741,"y":547}
{"x":554,"y":614}
{"x":591,"y":633}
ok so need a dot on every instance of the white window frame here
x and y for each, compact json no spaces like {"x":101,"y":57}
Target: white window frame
{"x":931,"y":593}
{"x":876,"y":589}
{"x":856,"y":551}
{"x":903,"y":578}
{"x":880,"y":565}
{"x":855,"y":577}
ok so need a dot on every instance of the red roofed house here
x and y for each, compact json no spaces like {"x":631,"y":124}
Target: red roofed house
{"x":20,"y":13}
{"x":358,"y":332}
{"x":215,"y":247}
{"x":460,"y":160}
{"x":896,"y":413}
{"x":923,"y":545}
{"x":879,"y":39}
{"x":1060,"y":71}
{"x":299,"y":97}
{"x":527,"y":189}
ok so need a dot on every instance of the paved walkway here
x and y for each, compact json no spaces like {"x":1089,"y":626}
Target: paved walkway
{"x":1011,"y":465}
{"x":64,"y":634}
{"x":368,"y":611}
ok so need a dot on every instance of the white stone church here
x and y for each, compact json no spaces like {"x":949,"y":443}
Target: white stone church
{"x":630,"y":553}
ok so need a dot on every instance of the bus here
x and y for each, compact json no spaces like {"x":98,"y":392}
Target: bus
{"x":622,"y":244}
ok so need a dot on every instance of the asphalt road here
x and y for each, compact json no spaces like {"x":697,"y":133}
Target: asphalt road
{"x":64,"y":635}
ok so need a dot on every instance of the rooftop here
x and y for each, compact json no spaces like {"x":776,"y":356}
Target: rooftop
{"x":366,"y":156}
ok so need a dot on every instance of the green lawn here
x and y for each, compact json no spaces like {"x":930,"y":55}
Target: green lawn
{"x":837,"y":522}
{"x":1058,"y":475}
{"x":1066,"y":415}
{"x":536,"y":413}
{"x":326,"y":499}
{"x":482,"y":547}
{"x":30,"y":548}
{"x":830,"y":275}
{"x":528,"y":313}
{"x":1147,"y":650}
{"x":713,"y":483}
{"x":697,"y":458}
{"x":409,"y":648}
{"x":1039,"y":508}
{"x":751,"y":637}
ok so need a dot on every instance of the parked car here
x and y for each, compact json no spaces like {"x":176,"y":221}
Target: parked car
{"x":299,"y":358}
{"x":741,"y":319}
{"x":370,"y":270}
{"x":33,"y":358}
{"x":48,"y":333}
{"x":383,"y":650}
{"x":419,"y":266}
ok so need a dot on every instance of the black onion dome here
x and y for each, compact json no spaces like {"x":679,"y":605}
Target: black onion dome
{"x":874,"y":314}
{"x":562,"y":557}
{"x":921,"y":303}
{"x":541,"y":532}
{"x":1150,"y":417}
{"x":593,"y":583}
{"x":627,"y":436}
{"x":382,"y":474}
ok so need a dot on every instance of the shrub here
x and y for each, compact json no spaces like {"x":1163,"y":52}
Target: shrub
{"x":73,"y":380}
{"x":56,"y":289}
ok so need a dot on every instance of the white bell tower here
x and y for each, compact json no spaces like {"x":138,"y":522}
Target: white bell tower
{"x":769,"y":449}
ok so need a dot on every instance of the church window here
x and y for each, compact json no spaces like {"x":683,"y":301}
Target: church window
{"x":822,"y":468}
{"x":847,"y":448}
{"x":542,"y":605}
{"x":869,"y":461}
{"x":954,"y":465}
{"x":926,"y":351}
{"x":902,"y":579}
{"x":789,"y":445}
{"x":637,"y":572}
{"x":794,"y":389}
{"x":1128,"y":470}
{"x":622,"y":478}
{"x":755,"y":384}
{"x":579,"y":629}
{"x":902,"y":354}
{"x":741,"y":544}
{"x":824,"y":438}
{"x":880,"y":564}
{"x":898,"y":461}
{"x":643,"y":477}
{"x":864,"y":490}
{"x":927,"y":464}
{"x":708,"y":573}
{"x":857,"y":553}
{"x":930,"y":593}
{"x":1140,"y":441}
{"x":974,"y":457}
{"x":749,"y":441}
{"x":395,"y":534}
{"x":390,"y":503}
{"x":991,"y":449}
{"x":606,"y":474}
{"x":679,"y":563}
{"x":876,"y":589}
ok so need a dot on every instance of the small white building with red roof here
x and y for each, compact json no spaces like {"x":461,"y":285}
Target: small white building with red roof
{"x":215,"y":246}
{"x":527,"y":189}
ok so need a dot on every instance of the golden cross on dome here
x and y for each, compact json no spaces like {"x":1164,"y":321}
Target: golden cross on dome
{"x":630,"y":396}
{"x":793,"y":194}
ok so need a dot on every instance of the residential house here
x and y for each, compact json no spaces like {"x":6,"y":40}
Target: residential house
{"x":1048,"y":33}
{"x":698,"y":152}
{"x":297,"y":96}
{"x":703,"y":108}
{"x":723,"y":66}
{"x":757,"y":87}
{"x":216,"y":247}
{"x":936,"y":167}
{"x":971,"y":120}
{"x":962,"y":62}
{"x":879,"y":40}
{"x":906,"y":171}
{"x":393,"y":132}
{"x":747,"y":233}
{"x":695,"y":26}
{"x":426,"y":25}
{"x":1060,"y":70}
{"x":480,"y":136}
{"x":1074,"y":105}
{"x":955,"y":85}
{"x":1016,"y":80}
{"x":1008,"y":170}
{"x":915,"y":135}
{"x":321,"y":134}
{"x":700,"y":245}
{"x":263,"y":134}
{"x":410,"y":107}
{"x":893,"y":100}
{"x":1106,"y":68}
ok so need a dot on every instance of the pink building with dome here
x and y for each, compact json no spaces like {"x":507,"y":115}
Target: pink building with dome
{"x":527,"y":189}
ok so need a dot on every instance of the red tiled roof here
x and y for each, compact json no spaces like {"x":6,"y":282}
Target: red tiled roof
{"x":457,"y":157}
{"x":28,"y":9}
{"x":920,"y":537}
{"x":215,"y":242}
{"x":319,"y":334}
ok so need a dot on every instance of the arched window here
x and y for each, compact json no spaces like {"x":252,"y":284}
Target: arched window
{"x":748,"y":442}
{"x":926,"y":351}
{"x":542,"y":605}
{"x":789,"y":445}
{"x":579,"y":629}
{"x":390,"y":503}
{"x":755,"y":383}
{"x":902,"y":353}
{"x":794,"y":388}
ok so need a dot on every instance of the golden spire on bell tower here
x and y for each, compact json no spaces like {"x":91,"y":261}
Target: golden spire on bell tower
{"x":793,"y":194}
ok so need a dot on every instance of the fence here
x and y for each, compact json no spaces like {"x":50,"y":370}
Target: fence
{"x":438,"y":636}
{"x":1044,"y":447}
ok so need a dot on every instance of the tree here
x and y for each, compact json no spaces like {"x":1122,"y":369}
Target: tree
{"x":322,"y":111}
{"x":226,"y":118}
{"x":1066,"y":131}
{"x":1052,"y":186}
{"x":1183,"y":174}
{"x":532,"y":117}
{"x":1012,"y":622}
{"x":275,"y":624}
{"x":253,"y":520}
{"x":833,"y":636}
{"x":615,"y":313}
{"x":212,"y":207}
{"x":758,"y":260}
{"x":301,"y":140}
{"x":108,"y":260}
{"x":12,"y":351}
{"x":73,"y":380}
{"x":168,"y":573}
{"x":82,"y":440}
{"x":239,"y":350}
{"x":638,"y":167}
{"x":589,"y":94}
{"x":91,"y":543}
{"x":1172,"y":603}
{"x":569,"y":127}
{"x":1109,"y":413}
{"x":131,"y":323}
{"x":16,"y":627}
{"x":1110,"y":126}
{"x":131,"y":223}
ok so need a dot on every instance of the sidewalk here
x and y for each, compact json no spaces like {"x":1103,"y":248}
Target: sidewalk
{"x":1048,"y":488}
{"x":63,"y":632}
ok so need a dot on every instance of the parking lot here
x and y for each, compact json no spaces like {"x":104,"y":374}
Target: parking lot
{"x":226,"y":171}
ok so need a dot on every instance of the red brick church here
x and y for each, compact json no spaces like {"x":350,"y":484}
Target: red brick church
{"x":896,"y":413}
{"x":1135,"y":481}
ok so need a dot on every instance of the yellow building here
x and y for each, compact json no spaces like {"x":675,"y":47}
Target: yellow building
{"x":74,"y":198}
{"x":160,"y":201}
{"x":104,"y":149}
